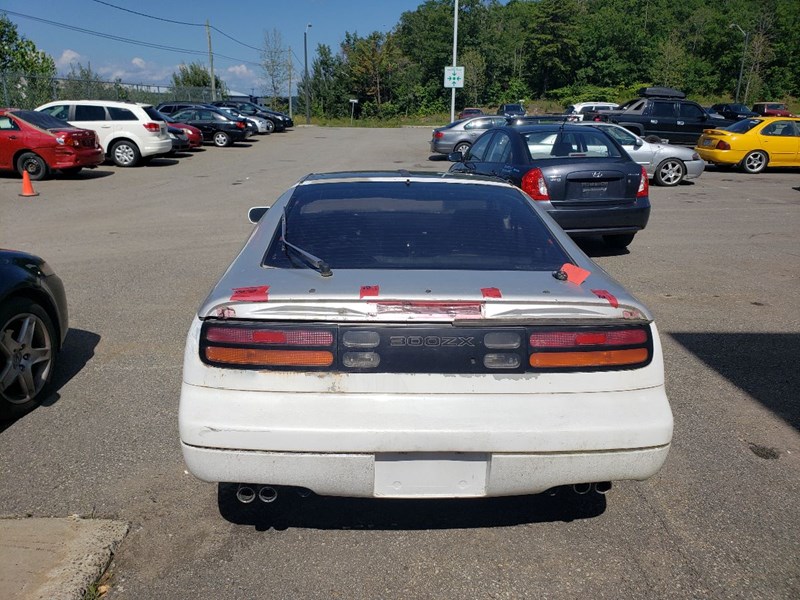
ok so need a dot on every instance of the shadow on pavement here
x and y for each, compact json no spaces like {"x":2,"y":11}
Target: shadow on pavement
{"x":594,"y":247}
{"x":762,"y":364}
{"x":326,"y":512}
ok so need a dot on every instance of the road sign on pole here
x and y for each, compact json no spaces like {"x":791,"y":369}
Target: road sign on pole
{"x":454,"y":77}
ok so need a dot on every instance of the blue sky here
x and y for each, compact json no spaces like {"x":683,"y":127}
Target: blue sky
{"x":243,"y":20}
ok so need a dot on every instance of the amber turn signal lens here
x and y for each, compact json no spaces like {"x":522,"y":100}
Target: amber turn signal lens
{"x":272,"y":358}
{"x":600,"y":358}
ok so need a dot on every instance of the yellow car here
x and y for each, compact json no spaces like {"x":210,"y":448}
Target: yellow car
{"x":753,"y":144}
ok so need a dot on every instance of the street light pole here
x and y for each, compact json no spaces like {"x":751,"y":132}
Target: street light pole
{"x":305,"y":66}
{"x":744,"y":54}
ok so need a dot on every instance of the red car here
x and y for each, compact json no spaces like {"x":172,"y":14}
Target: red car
{"x":40,"y":144}
{"x":193,"y":133}
{"x":772,"y":109}
{"x":470,"y":112}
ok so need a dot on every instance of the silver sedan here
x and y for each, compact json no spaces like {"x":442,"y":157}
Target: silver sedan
{"x":458,"y":136}
{"x":666,"y":164}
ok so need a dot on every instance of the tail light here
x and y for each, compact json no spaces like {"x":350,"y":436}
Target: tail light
{"x":438,"y":135}
{"x":578,"y":349}
{"x":723,"y":145}
{"x":423,"y":348}
{"x":152,"y":127}
{"x":534,"y":185}
{"x":67,"y":139}
{"x":240,"y":124}
{"x":644,"y":185}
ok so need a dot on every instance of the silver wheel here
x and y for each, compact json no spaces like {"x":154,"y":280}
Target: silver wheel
{"x":669,"y":172}
{"x":270,"y":126}
{"x":125,"y":154}
{"x":462,"y":147}
{"x":222,"y":139}
{"x":26,"y":353}
{"x":755,"y":162}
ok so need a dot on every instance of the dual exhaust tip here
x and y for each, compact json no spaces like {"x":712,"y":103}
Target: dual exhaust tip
{"x":247,"y":494}
{"x":601,"y":487}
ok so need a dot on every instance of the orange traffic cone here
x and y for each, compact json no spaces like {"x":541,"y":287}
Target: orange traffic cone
{"x":27,"y":186}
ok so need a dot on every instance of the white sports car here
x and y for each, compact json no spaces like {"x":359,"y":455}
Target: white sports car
{"x":419,"y":335}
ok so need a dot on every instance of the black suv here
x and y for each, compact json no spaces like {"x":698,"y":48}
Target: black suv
{"x":663,"y":114}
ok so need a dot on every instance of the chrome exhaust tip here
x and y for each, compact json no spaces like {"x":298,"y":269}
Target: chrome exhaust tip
{"x":582,"y":488}
{"x":267,"y":494}
{"x":602,"y":487}
{"x":245,"y":494}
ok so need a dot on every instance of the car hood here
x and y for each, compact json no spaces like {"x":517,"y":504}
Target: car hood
{"x":423,"y":296}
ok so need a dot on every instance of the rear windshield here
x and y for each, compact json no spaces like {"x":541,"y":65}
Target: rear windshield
{"x":153,"y":113}
{"x":41,"y":119}
{"x":587,"y":143}
{"x":743,"y":126}
{"x":392,"y":225}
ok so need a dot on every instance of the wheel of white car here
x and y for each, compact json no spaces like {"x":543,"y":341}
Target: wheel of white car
{"x":125,"y":153}
{"x":669,"y":172}
{"x":755,"y":161}
{"x":462,"y":147}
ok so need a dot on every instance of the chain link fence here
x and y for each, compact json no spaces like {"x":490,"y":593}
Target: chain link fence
{"x":20,"y":90}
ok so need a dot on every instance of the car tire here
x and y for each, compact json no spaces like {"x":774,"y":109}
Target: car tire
{"x":34,"y":164}
{"x":27,"y":356}
{"x":653,"y":139}
{"x":462,"y":147}
{"x":270,"y":126}
{"x":222,"y":139}
{"x":669,"y":172}
{"x":755,"y":161}
{"x":125,"y":153}
{"x":619,"y":241}
{"x":71,"y":171}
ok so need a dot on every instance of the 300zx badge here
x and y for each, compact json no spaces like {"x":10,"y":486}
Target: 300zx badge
{"x":431,"y":341}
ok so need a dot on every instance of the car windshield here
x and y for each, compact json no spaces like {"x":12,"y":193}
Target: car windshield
{"x":587,"y":143}
{"x":152,"y":113}
{"x":40,"y":119}
{"x":743,"y":126}
{"x":510,"y":107}
{"x":416,"y":225}
{"x":738,"y":108}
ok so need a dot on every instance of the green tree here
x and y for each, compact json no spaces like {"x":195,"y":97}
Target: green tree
{"x":27,"y":73}
{"x":195,"y":78}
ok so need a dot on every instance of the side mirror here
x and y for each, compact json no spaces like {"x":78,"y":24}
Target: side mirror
{"x":638,"y":143}
{"x":254,"y":214}
{"x":456,"y":157}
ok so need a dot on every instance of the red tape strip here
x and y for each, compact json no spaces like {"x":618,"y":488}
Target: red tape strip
{"x":251,"y":294}
{"x":491,"y":293}
{"x":370,"y":290}
{"x":612,"y":300}
{"x":575,"y":274}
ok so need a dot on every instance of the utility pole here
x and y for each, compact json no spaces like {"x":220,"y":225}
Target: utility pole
{"x":305,"y":80}
{"x":211,"y":62}
{"x":455,"y":43}
{"x":290,"y":82}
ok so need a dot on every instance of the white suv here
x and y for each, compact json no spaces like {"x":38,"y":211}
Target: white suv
{"x":578,"y":110}
{"x":128,"y":131}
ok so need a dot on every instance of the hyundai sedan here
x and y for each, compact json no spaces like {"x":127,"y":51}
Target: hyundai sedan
{"x":418,"y":335}
{"x":580,"y":175}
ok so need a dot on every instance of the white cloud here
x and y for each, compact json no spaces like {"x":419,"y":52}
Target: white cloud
{"x":240,"y":71}
{"x":68,"y":57}
{"x":139,"y":62}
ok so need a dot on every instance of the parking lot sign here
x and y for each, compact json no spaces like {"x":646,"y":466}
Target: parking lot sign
{"x":454,"y":77}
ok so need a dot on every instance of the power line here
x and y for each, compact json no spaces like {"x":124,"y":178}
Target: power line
{"x":141,"y":14}
{"x":128,"y":40}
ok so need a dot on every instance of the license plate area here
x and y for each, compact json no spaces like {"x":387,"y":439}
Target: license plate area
{"x":430,"y":475}
{"x":594,"y":188}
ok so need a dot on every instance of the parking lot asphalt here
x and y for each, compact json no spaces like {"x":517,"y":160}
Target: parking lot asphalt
{"x":138,"y":249}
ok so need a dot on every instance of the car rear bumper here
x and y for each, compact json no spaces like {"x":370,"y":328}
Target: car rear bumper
{"x":721,"y":157}
{"x":601,"y":220}
{"x":352,"y":444}
{"x":694,"y":168}
{"x":156,"y":147}
{"x":80,"y":158}
{"x":422,"y":475}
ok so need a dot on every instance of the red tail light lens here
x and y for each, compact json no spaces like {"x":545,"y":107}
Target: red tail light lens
{"x":240,"y":124}
{"x":644,"y":185}
{"x":152,"y":127}
{"x":287,"y":337}
{"x":438,"y":135}
{"x":590,"y":348}
{"x":723,"y":145}
{"x":534,"y":185}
